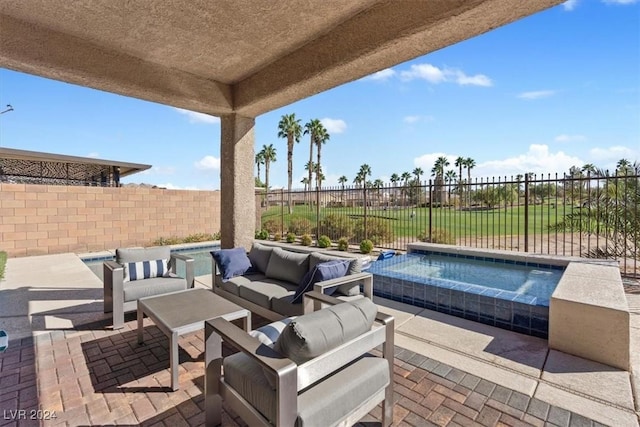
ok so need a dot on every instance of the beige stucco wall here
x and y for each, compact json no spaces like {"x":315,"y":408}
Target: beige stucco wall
{"x":46,"y":219}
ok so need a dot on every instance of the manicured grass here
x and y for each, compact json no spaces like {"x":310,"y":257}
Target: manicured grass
{"x":498,"y":221}
{"x":3,"y":262}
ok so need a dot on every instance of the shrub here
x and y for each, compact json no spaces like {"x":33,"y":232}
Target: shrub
{"x":3,"y":262}
{"x":336,"y":226}
{"x":438,"y":235}
{"x":165,"y":241}
{"x":343,"y":244}
{"x":378,"y":231}
{"x":277,"y":237}
{"x":291,"y":237}
{"x":324,"y":241}
{"x":262,"y":235}
{"x":366,"y":246}
{"x":305,"y":240}
{"x":199,"y":237}
{"x":192,"y":238}
{"x":299,"y":225}
{"x":272,"y":225}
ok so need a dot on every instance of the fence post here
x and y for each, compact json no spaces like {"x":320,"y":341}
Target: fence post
{"x":317,"y":213}
{"x":526,"y":212}
{"x":430,"y":209}
{"x":365,"y":210}
{"x":282,"y":210}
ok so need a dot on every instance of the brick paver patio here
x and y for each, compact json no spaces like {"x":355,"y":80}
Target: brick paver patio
{"x":96,"y":376}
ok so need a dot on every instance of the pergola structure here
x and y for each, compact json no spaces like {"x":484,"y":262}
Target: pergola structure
{"x":235,"y":59}
{"x":33,"y":167}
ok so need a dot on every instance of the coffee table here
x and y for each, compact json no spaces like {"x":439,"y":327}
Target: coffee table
{"x":178,"y":313}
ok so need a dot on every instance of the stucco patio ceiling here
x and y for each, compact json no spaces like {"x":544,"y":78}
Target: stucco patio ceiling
{"x":244,"y":56}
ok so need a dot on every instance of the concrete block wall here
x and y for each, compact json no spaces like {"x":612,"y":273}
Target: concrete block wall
{"x":47,"y":219}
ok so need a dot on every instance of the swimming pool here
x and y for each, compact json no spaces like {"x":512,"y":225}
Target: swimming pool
{"x":200,"y":254}
{"x":501,"y":292}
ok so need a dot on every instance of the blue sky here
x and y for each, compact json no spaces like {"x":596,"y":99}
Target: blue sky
{"x":556,"y":89}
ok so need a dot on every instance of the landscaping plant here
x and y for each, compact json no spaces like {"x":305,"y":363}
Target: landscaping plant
{"x":324,"y":241}
{"x":366,"y":246}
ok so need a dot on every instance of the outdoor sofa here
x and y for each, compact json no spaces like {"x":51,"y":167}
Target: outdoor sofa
{"x":272,"y":279}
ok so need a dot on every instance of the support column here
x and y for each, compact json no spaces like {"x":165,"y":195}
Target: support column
{"x":237,"y":210}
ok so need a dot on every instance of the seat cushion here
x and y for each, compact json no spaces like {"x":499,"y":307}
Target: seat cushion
{"x":284,"y":305}
{"x":231,"y":262}
{"x":261,"y":292}
{"x":246,"y":377}
{"x":323,"y":271}
{"x":315,"y":333}
{"x":259,"y":256}
{"x":233,"y":285}
{"x":149,"y":287}
{"x":287,"y":265}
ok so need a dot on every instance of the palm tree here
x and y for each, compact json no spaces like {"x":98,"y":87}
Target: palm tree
{"x":449,"y":177}
{"x":312,"y":128}
{"x":406,"y":176}
{"x":365,"y":171}
{"x":269,"y":155}
{"x":590,"y":169}
{"x":623,"y":167}
{"x":321,"y":138}
{"x":289,"y":127}
{"x":459,"y":164}
{"x":259,"y":161}
{"x":418,"y":172}
{"x":310,"y":166}
{"x":305,"y":181}
{"x":438,"y":172}
{"x":342,"y":180}
{"x":378,"y":184}
{"x":469,"y":163}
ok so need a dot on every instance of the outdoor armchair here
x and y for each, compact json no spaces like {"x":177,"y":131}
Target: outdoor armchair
{"x":138,"y":273}
{"x":317,"y":372}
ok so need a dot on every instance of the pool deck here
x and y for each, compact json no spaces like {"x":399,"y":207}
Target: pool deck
{"x":63,"y":357}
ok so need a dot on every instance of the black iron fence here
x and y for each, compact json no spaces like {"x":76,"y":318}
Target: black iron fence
{"x":587,"y":216}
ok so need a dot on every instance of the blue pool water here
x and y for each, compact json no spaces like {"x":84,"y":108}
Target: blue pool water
{"x":509,"y":294}
{"x":200,"y":254}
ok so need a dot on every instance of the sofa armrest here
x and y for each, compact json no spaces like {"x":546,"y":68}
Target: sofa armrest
{"x":284,"y":370}
{"x":367,"y":279}
{"x":188,"y":261}
{"x":113,"y":289}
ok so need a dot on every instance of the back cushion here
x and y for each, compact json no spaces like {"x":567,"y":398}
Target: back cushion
{"x":313,"y":334}
{"x":231,"y":262}
{"x":286,"y":265}
{"x":124,"y":256}
{"x":259,"y":256}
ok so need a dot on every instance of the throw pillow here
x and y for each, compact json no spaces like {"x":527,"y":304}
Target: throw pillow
{"x":313,"y":334}
{"x":321,"y":272}
{"x":145,"y":270}
{"x":259,"y":256}
{"x":287,"y":265}
{"x":231,"y":262}
{"x":268,"y":334}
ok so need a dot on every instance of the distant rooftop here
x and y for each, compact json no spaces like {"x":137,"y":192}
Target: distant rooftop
{"x":33,"y":167}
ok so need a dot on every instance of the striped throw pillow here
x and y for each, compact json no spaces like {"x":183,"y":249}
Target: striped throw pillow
{"x":269,"y":334}
{"x":145,"y":270}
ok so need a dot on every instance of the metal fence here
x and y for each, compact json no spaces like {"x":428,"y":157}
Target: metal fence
{"x":587,"y":216}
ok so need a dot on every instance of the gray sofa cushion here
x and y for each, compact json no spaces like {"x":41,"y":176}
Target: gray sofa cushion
{"x":234,"y":284}
{"x":284,"y":305}
{"x":287,"y":265}
{"x":323,"y":404}
{"x":126,"y":255}
{"x":354,"y":267}
{"x":259,"y":256}
{"x":261,"y":292}
{"x":313,"y":334}
{"x":149,"y":287}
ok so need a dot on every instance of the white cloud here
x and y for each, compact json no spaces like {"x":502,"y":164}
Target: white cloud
{"x":436,"y":75}
{"x":170,"y":186}
{"x":208,"y":163}
{"x":538,"y":159}
{"x":382,"y":75}
{"x":334,"y":125}
{"x":426,"y":161}
{"x":417,"y":118}
{"x":622,"y":2}
{"x":537,"y":94}
{"x":606,"y":158}
{"x":93,"y":155}
{"x":426,"y":72}
{"x":570,"y":5}
{"x":569,"y":138}
{"x":195,"y":117}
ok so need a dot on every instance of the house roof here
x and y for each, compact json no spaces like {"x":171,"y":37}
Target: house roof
{"x":14,"y":162}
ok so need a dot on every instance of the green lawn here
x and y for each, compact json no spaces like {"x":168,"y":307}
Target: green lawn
{"x":495,"y":222}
